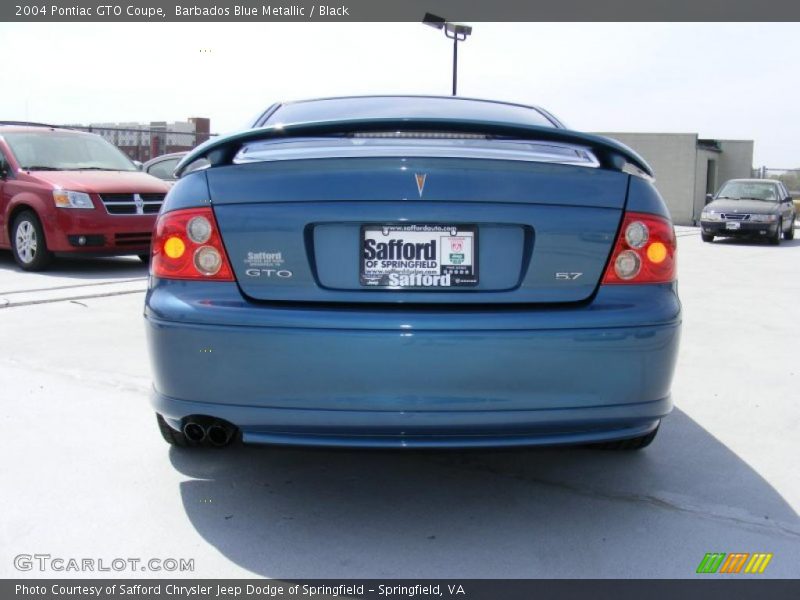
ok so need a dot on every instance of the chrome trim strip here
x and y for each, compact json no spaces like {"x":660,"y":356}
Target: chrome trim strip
{"x":133,"y":203}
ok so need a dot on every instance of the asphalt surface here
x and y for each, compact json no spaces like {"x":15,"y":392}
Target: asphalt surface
{"x":85,"y":473}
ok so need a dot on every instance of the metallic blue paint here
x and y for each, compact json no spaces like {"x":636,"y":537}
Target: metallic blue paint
{"x":522,"y":359}
{"x":392,"y":179}
{"x":415,"y":377}
{"x":535,"y":220}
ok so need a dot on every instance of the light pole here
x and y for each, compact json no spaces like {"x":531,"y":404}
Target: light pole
{"x":454,"y":31}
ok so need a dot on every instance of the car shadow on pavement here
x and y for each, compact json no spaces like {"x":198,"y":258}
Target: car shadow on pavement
{"x":563,"y":512}
{"x":88,"y":268}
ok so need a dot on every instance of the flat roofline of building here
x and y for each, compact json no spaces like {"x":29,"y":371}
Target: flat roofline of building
{"x":661,"y":133}
{"x":673,"y":133}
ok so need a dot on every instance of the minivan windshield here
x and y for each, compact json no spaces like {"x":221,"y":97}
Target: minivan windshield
{"x":65,"y":151}
{"x":748,"y":190}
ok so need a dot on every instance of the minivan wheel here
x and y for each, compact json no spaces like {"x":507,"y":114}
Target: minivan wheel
{"x":170,"y":435}
{"x":776,"y":239}
{"x":789,"y":233}
{"x":636,"y":443}
{"x":28,"y":244}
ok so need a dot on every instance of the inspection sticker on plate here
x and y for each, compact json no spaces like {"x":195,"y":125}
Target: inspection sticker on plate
{"x":419,"y":256}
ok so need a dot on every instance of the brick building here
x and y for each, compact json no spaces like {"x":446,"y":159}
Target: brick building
{"x":143,"y":141}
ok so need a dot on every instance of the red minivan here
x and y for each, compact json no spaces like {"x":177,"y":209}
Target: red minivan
{"x":66,"y":191}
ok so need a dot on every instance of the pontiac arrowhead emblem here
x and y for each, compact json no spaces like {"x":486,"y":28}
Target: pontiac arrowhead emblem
{"x":420,"y":177}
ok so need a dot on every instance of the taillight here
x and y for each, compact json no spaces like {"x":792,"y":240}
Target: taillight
{"x":644,"y":251}
{"x":187,"y":245}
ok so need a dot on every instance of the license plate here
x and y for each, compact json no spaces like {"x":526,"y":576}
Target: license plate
{"x":733,"y":225}
{"x":419,"y":256}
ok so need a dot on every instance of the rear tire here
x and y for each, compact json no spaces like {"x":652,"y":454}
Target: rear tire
{"x":789,"y":233}
{"x":636,"y":443}
{"x":707,"y":237}
{"x":172,"y":437}
{"x":28,"y":244}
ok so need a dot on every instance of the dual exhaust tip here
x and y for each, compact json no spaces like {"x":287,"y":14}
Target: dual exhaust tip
{"x":217,"y":433}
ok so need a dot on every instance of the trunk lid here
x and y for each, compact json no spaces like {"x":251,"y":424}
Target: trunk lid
{"x":297,"y":230}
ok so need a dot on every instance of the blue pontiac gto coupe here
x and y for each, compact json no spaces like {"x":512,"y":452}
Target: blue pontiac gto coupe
{"x":412,"y":272}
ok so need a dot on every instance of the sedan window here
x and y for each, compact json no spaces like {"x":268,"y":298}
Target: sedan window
{"x":164,"y":169}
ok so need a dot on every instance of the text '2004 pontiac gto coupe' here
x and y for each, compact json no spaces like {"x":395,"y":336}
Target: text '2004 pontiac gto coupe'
{"x":412,"y":271}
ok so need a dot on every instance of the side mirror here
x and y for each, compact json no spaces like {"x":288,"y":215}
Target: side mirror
{"x":709,"y":198}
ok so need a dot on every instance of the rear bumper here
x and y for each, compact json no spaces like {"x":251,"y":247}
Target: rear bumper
{"x":425,"y":429}
{"x":415,"y":378}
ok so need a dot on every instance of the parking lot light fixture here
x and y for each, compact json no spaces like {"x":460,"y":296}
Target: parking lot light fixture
{"x":454,"y":31}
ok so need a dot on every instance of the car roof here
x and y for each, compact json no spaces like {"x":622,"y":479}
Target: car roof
{"x":401,"y":97}
{"x":21,"y":127}
{"x":409,"y":106}
{"x":754,"y":180}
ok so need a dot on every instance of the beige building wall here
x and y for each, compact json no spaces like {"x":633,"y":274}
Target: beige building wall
{"x":736,"y":160}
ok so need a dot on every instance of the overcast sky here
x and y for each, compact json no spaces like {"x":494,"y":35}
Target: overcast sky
{"x":719,"y":80}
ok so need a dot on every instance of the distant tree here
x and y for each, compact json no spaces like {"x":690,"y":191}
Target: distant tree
{"x":791,"y":179}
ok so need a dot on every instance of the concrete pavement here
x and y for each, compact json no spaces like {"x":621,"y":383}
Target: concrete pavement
{"x":86,"y":474}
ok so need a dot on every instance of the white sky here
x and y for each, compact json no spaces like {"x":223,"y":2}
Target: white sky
{"x":735,"y":81}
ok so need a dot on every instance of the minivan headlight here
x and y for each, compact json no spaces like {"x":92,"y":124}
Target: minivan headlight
{"x":764,"y":218}
{"x":66,"y":199}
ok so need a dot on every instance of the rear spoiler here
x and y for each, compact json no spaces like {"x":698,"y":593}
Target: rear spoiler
{"x":610,"y":153}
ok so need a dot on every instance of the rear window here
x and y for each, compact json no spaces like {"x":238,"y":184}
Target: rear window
{"x":404,"y":107}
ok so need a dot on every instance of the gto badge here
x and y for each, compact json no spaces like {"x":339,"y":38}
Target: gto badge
{"x":420,"y":177}
{"x":282,"y":273}
{"x":139,"y":204}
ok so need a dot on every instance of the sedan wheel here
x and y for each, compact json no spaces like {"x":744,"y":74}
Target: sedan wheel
{"x":776,"y":239}
{"x":789,"y":233}
{"x":29,"y":248}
